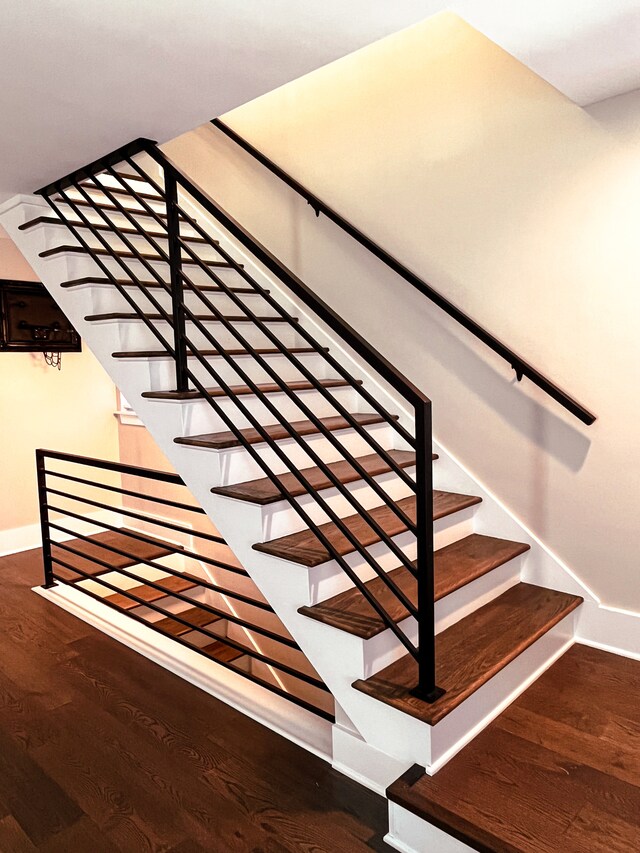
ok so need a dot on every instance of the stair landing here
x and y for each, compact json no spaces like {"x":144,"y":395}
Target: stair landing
{"x":559,"y":770}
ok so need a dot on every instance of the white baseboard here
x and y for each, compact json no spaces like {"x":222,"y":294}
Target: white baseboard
{"x":411,"y":834}
{"x":298,"y":725}
{"x":18,"y":539}
{"x":610,"y":629}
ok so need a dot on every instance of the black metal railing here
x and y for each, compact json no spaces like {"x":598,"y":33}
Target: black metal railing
{"x":174,"y":210}
{"x":521,"y":367}
{"x":70,"y":491}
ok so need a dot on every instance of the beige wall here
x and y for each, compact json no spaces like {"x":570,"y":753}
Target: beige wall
{"x":517,"y":205}
{"x":70,"y":410}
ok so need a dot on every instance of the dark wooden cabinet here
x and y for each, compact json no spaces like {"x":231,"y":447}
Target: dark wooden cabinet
{"x":31,"y":321}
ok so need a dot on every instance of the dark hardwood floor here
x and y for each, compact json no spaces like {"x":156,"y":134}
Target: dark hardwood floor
{"x":557,"y":772}
{"x":102,"y":750}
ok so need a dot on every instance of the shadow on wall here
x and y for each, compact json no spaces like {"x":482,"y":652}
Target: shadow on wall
{"x":500,"y":391}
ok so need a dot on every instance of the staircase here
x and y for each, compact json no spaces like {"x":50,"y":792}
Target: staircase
{"x":416,"y":597}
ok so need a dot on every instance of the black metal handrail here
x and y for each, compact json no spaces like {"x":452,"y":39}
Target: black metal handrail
{"x":520,"y":365}
{"x":109,"y":551}
{"x":180,"y":347}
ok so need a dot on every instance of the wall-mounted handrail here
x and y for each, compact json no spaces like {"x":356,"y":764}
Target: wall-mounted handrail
{"x":520,"y":365}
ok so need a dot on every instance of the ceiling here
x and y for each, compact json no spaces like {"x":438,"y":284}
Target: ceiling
{"x":81,"y":78}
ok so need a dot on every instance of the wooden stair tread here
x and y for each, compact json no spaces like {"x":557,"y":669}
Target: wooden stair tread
{"x":99,"y":226}
{"x":277,"y":432}
{"x":138,"y":550}
{"x":196,"y":616}
{"x":170,"y":585}
{"x":101,"y":205}
{"x":305,"y":548}
{"x":125,"y":315}
{"x":221,"y":652}
{"x":456,"y":565}
{"x":125,"y":253}
{"x":557,"y":770}
{"x":154,"y":285}
{"x":265,"y":388}
{"x":213,"y":352}
{"x":473,"y":650}
{"x":263,"y":491}
{"x":90,"y":184}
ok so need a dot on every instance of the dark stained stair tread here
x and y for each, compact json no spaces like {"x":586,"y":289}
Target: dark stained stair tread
{"x":98,"y":187}
{"x":455,"y":566}
{"x":101,"y":205}
{"x":99,"y":226}
{"x":305,"y":548}
{"x":265,"y":388}
{"x":125,"y":315}
{"x":149,"y":593}
{"x":91,"y":550}
{"x":473,"y":650}
{"x":221,"y":652}
{"x":213,"y":352}
{"x":277,"y":432}
{"x":196,"y":616}
{"x":152,"y":285}
{"x":125,"y":253}
{"x":263,"y":491}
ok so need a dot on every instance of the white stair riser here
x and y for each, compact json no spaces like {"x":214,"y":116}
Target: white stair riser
{"x":139,"y":184}
{"x":329,"y":579}
{"x":62,"y":235}
{"x":237,"y":465}
{"x":280,"y":518}
{"x":162,"y":371}
{"x":385,"y":648}
{"x":81,"y":265}
{"x":154,"y":243}
{"x":135,"y":335}
{"x":99,"y":197}
{"x":106,"y":298}
{"x":199,"y":416}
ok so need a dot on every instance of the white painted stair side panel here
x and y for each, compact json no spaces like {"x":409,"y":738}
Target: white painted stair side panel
{"x":341,"y":660}
{"x":410,"y":834}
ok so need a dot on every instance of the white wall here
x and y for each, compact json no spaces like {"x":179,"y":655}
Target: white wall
{"x":70,"y":410}
{"x":517,"y":205}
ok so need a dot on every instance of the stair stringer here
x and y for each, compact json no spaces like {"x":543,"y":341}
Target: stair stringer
{"x":340,"y":659}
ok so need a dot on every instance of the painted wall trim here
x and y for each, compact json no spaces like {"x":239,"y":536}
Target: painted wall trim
{"x":296,"y":724}
{"x":17,"y":539}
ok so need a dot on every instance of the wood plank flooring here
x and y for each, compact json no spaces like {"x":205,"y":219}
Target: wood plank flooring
{"x":557,"y":772}
{"x":101,"y":750}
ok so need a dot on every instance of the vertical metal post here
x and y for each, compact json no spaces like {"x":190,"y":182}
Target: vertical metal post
{"x":177,"y":288}
{"x":426,"y":688}
{"x":44,"y":521}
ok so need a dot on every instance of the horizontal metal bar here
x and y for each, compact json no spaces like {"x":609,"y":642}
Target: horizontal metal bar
{"x":142,"y":538}
{"x":205,"y":584}
{"x":150,"y":519}
{"x":519,"y":364}
{"x":227,"y":665}
{"x":128,"y":492}
{"x":208,"y":608}
{"x":118,"y":467}
{"x":234,"y":644}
